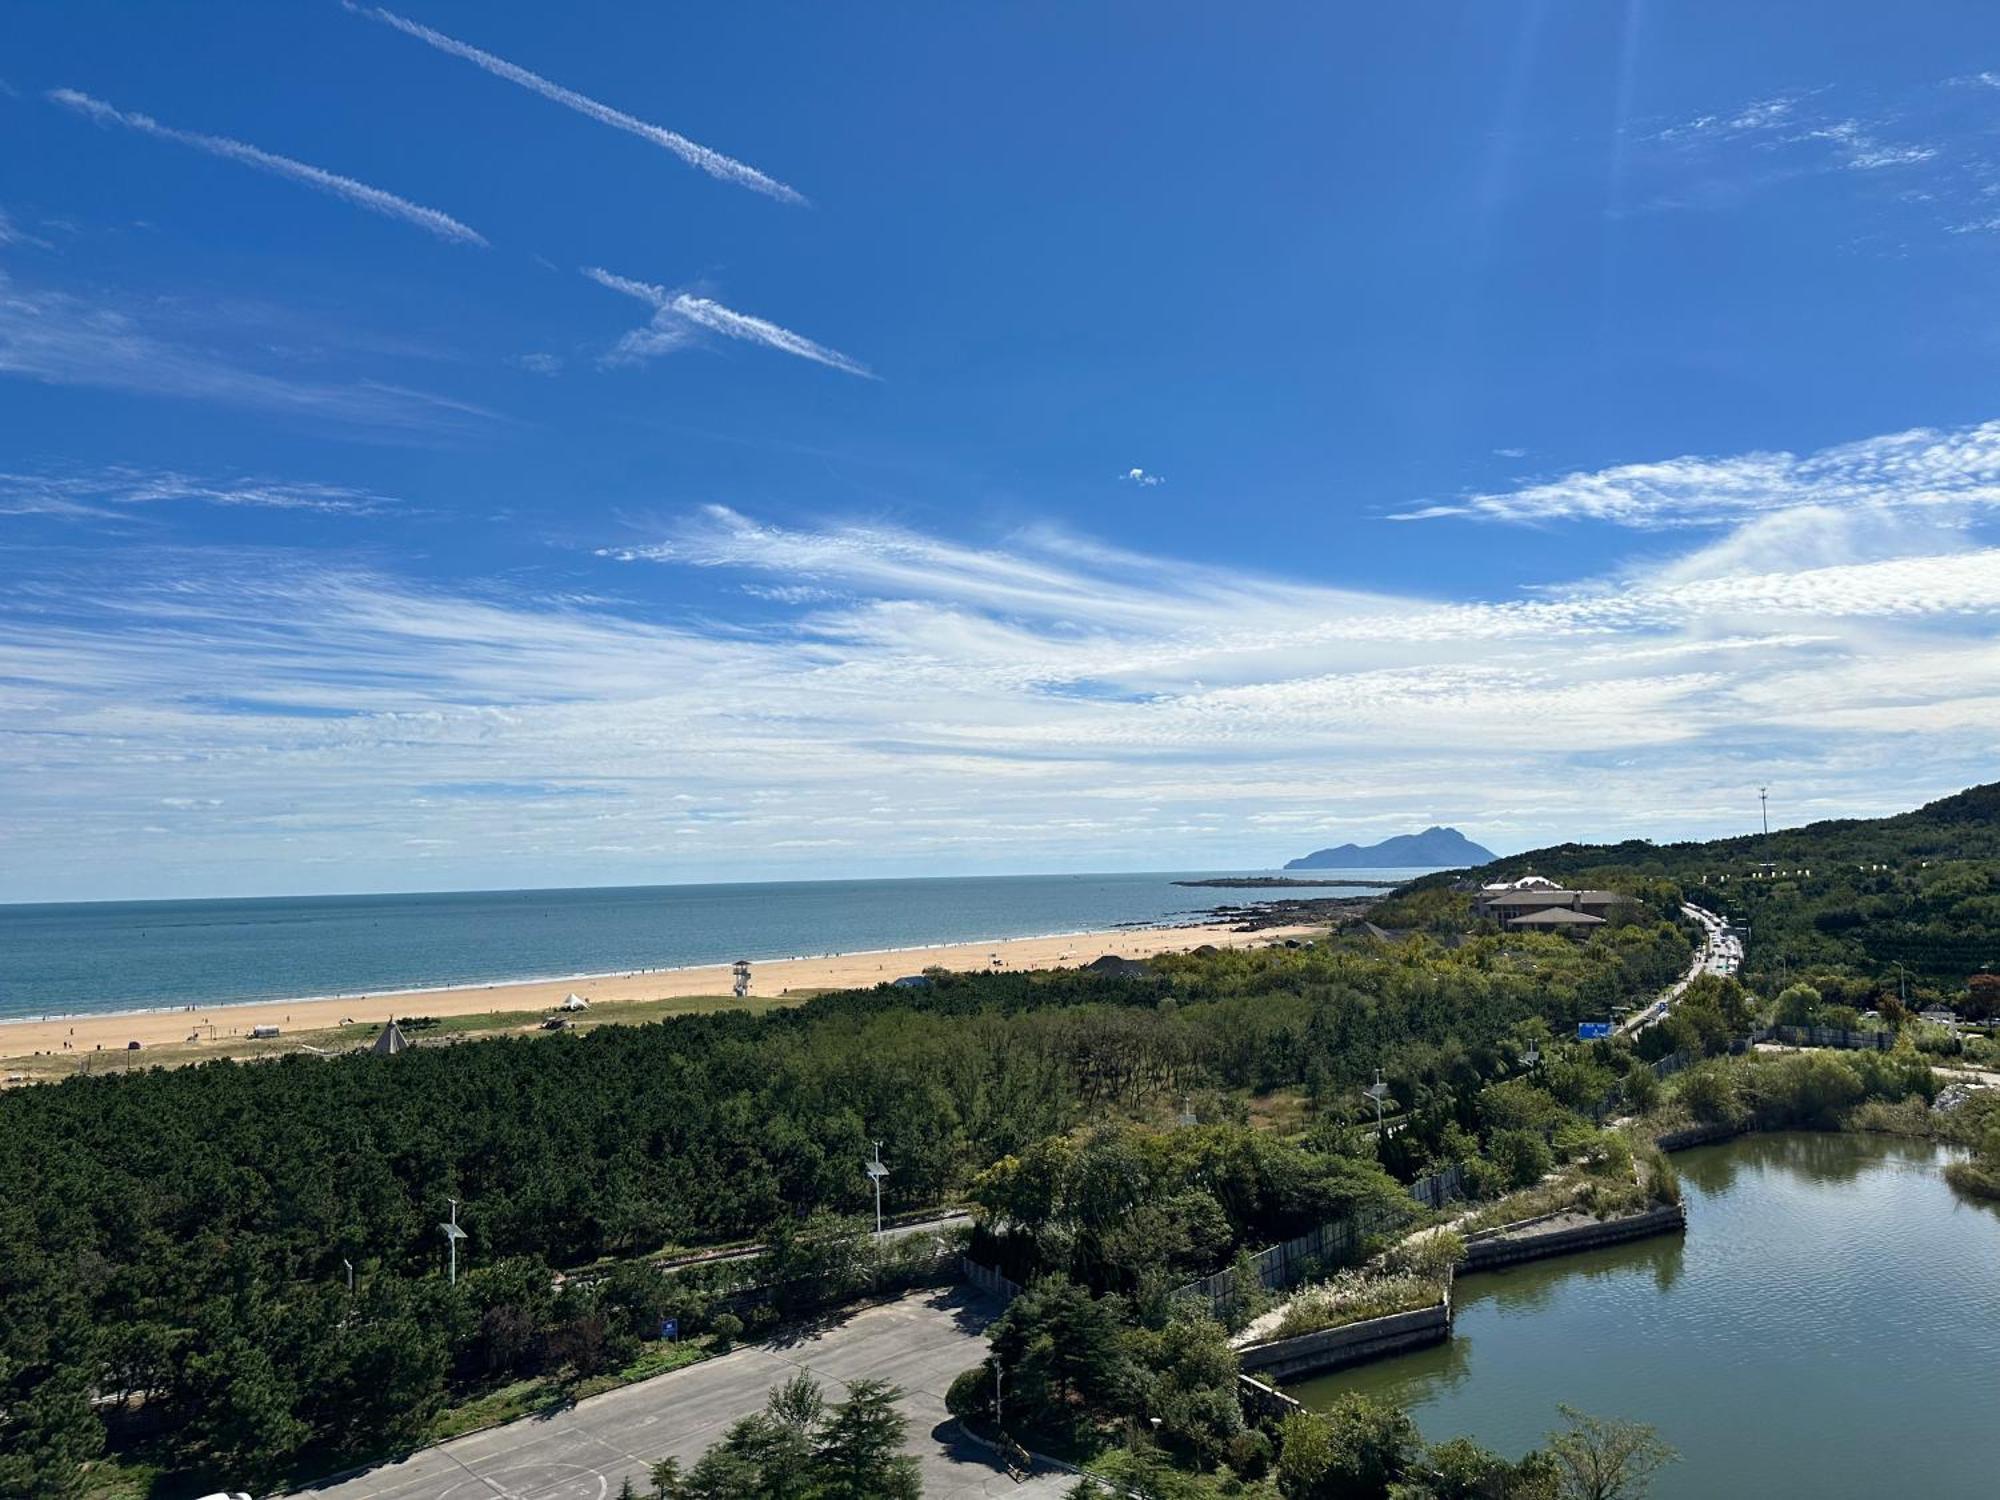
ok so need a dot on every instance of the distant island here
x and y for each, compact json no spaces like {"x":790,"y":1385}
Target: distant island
{"x":1439,"y":848}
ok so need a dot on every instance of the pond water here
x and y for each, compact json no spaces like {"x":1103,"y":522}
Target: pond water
{"x":1828,"y":1327}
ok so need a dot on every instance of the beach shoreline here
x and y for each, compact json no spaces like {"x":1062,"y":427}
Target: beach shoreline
{"x":108,"y":1032}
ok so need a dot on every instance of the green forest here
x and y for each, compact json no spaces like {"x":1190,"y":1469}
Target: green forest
{"x":1854,"y":896}
{"x":173,"y":1244}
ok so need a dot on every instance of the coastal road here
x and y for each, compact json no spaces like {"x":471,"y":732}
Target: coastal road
{"x":1718,"y":953}
{"x":918,"y":1342}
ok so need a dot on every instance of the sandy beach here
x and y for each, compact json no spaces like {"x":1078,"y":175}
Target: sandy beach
{"x":218,"y":1025}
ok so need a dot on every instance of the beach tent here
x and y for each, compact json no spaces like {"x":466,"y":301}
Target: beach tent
{"x":574,"y":1001}
{"x":391,"y":1041}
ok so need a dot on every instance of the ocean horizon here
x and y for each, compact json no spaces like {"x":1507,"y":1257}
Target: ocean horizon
{"x":106,"y":957}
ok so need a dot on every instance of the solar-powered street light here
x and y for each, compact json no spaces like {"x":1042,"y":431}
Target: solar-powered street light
{"x":876,"y":1172}
{"x":1378,"y":1091}
{"x":453,"y":1234}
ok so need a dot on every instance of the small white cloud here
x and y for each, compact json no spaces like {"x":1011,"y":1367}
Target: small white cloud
{"x":1510,"y":452}
{"x":1140,"y":476}
{"x":12,"y":233}
{"x":540,"y":364}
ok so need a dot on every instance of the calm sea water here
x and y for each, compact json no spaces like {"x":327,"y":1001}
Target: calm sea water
{"x":1827,"y":1328}
{"x":127,"y":955}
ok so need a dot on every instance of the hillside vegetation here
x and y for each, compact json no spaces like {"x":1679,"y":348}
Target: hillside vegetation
{"x":1858,"y":895}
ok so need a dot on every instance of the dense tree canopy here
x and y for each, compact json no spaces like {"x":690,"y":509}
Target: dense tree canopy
{"x":177,"y":1238}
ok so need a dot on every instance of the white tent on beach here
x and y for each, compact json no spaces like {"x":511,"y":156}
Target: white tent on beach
{"x":391,"y":1041}
{"x":574,"y":1001}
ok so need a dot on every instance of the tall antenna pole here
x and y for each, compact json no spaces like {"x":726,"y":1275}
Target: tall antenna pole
{"x":1764,"y":805}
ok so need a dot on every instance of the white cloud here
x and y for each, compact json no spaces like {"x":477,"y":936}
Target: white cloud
{"x":540,"y":364}
{"x":922,"y":703}
{"x":677,"y":314}
{"x":1141,"y":477}
{"x":1945,"y":472}
{"x":62,"y":339}
{"x":104,"y":492}
{"x":12,"y":233}
{"x":360,"y":194}
{"x":1863,"y":151}
{"x":714,"y":163}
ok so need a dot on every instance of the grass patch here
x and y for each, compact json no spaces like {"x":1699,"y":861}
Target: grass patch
{"x":546,"y":1393}
{"x":1353,"y":1296}
{"x":1282,"y":1112}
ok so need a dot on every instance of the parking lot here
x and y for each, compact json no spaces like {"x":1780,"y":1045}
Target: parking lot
{"x":584,"y":1452}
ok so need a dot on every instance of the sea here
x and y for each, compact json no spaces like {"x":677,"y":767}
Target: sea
{"x":108,"y":956}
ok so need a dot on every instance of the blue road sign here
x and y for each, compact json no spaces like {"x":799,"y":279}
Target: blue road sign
{"x":670,"y":1328}
{"x":1591,"y":1031}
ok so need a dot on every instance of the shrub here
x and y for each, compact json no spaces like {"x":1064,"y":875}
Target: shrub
{"x":1609,"y":1155}
{"x":1642,"y":1089}
{"x":1249,"y":1453}
{"x":1663,"y":1183}
{"x":1522,"y":1156}
{"x":1433,"y":1255}
{"x":727,"y":1328}
{"x":1710,"y":1094}
{"x":970,"y":1394}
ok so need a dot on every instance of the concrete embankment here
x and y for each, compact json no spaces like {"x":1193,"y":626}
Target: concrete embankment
{"x":1697,"y":1135}
{"x":1349,"y":1344}
{"x":1544,"y":1238}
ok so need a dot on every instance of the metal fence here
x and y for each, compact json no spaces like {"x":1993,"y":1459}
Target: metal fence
{"x":1440,"y":1188}
{"x":987,"y":1280}
{"x":1833,"y":1036}
{"x":1286,"y":1265}
{"x":1672,"y":1063}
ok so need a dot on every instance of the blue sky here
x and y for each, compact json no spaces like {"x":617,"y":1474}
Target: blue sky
{"x":479,"y":445}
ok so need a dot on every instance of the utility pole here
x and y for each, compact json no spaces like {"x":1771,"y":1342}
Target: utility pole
{"x":876,"y":1172}
{"x":997,"y":1422}
{"x":452,"y":1235}
{"x":350,"y":1274}
{"x":1764,"y":804}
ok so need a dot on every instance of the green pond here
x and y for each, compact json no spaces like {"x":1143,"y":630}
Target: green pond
{"x":1829,"y":1326}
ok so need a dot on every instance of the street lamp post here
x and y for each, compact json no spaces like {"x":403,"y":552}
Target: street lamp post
{"x":452,"y":1235}
{"x":1378,"y":1091}
{"x":876,"y":1172}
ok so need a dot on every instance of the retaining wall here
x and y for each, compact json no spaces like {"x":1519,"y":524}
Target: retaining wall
{"x":1487,"y":1255}
{"x":1349,"y":1344}
{"x":1697,"y":1135}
